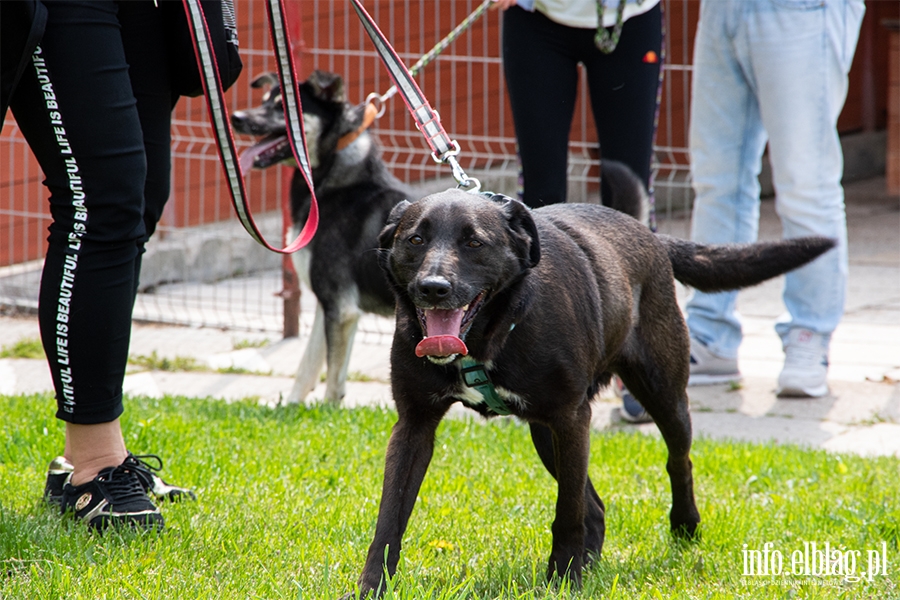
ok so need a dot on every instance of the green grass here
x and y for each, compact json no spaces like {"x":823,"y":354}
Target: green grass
{"x":242,"y":344}
{"x":154,"y":362}
{"x":288,"y":499}
{"x":242,"y":371}
{"x":23,"y":348}
{"x":357,"y":376}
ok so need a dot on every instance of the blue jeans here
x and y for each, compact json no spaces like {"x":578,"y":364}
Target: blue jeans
{"x":776,"y":71}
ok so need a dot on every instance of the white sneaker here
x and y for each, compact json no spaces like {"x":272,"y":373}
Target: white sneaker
{"x":708,"y":368}
{"x":805,"y":365}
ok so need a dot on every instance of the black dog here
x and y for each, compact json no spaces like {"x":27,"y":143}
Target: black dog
{"x":547,"y":305}
{"x":356,"y":192}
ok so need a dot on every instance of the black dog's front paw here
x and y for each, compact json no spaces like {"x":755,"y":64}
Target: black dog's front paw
{"x":366,"y":590}
{"x":565,"y":566}
{"x":685,"y":524}
{"x":686,"y":532}
{"x":361,"y":595}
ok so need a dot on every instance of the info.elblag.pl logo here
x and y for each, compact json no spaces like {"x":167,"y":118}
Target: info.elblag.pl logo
{"x":815,"y":559}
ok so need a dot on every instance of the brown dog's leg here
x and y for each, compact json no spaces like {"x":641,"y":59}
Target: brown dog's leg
{"x":408,"y":455}
{"x":595,"y":511}
{"x":571,"y":449}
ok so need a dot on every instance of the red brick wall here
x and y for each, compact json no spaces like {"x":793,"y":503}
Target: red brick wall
{"x":893,"y":126}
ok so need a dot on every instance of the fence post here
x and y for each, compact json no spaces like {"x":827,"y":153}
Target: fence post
{"x":290,"y":284}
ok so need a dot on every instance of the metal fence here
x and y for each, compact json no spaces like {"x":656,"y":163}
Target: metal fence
{"x":201,"y":268}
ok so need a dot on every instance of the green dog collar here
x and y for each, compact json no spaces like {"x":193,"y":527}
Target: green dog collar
{"x":476,"y":376}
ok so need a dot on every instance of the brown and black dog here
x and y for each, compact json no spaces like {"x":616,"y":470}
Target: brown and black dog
{"x":551,"y":303}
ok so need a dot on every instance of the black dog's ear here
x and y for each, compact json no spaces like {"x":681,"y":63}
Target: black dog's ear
{"x":498,"y":198}
{"x":386,"y":237}
{"x":522,"y":230}
{"x":269,"y":79}
{"x":327,"y":86}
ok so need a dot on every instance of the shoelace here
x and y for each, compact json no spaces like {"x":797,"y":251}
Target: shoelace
{"x":143,"y":469}
{"x":121,"y":484}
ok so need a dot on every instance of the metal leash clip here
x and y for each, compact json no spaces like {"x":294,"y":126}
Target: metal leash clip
{"x":378,"y":101}
{"x":427,"y":120}
{"x":464,"y":182}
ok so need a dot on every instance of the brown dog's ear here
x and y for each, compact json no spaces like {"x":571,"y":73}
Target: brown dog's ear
{"x":269,"y":79}
{"x":386,"y":237}
{"x":523,"y":232}
{"x":327,"y":86}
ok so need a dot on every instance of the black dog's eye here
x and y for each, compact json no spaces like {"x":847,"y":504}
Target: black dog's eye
{"x":474,"y":244}
{"x":416,"y":240}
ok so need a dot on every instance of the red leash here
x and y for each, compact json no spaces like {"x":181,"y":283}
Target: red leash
{"x":219,"y":118}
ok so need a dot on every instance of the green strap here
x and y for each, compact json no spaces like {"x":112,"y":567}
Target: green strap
{"x":605,"y":40}
{"x":476,"y":376}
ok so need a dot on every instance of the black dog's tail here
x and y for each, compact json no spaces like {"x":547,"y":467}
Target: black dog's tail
{"x":716,"y":268}
{"x":623,"y":191}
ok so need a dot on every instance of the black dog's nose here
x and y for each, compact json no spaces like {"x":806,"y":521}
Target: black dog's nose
{"x":433,"y":289}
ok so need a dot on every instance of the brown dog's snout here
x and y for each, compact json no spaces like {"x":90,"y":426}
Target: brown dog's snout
{"x":432,"y":290}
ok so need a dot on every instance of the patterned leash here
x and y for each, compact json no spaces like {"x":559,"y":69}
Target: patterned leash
{"x":221,"y":123}
{"x":444,"y":150}
{"x":428,"y":121}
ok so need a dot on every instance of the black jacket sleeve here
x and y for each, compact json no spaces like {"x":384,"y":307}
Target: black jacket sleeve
{"x":22,"y":24}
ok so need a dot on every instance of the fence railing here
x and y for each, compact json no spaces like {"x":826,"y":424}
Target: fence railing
{"x":202,"y":269}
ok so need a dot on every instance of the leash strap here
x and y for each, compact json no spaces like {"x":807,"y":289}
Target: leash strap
{"x":440,"y":47}
{"x":476,"y":376}
{"x":221,"y":124}
{"x":428,"y":122}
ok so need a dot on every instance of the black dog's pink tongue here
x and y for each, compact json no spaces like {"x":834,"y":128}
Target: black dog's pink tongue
{"x":441,"y":345}
{"x":442,"y":334}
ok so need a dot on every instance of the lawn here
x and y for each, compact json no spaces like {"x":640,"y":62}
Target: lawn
{"x":287,"y":500}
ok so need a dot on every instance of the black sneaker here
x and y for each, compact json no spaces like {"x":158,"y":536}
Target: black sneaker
{"x":61,"y":470}
{"x":153,"y":482}
{"x":58,"y":476}
{"x":116,"y":496}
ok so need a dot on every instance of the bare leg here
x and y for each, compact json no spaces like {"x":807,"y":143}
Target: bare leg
{"x":91,"y":448}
